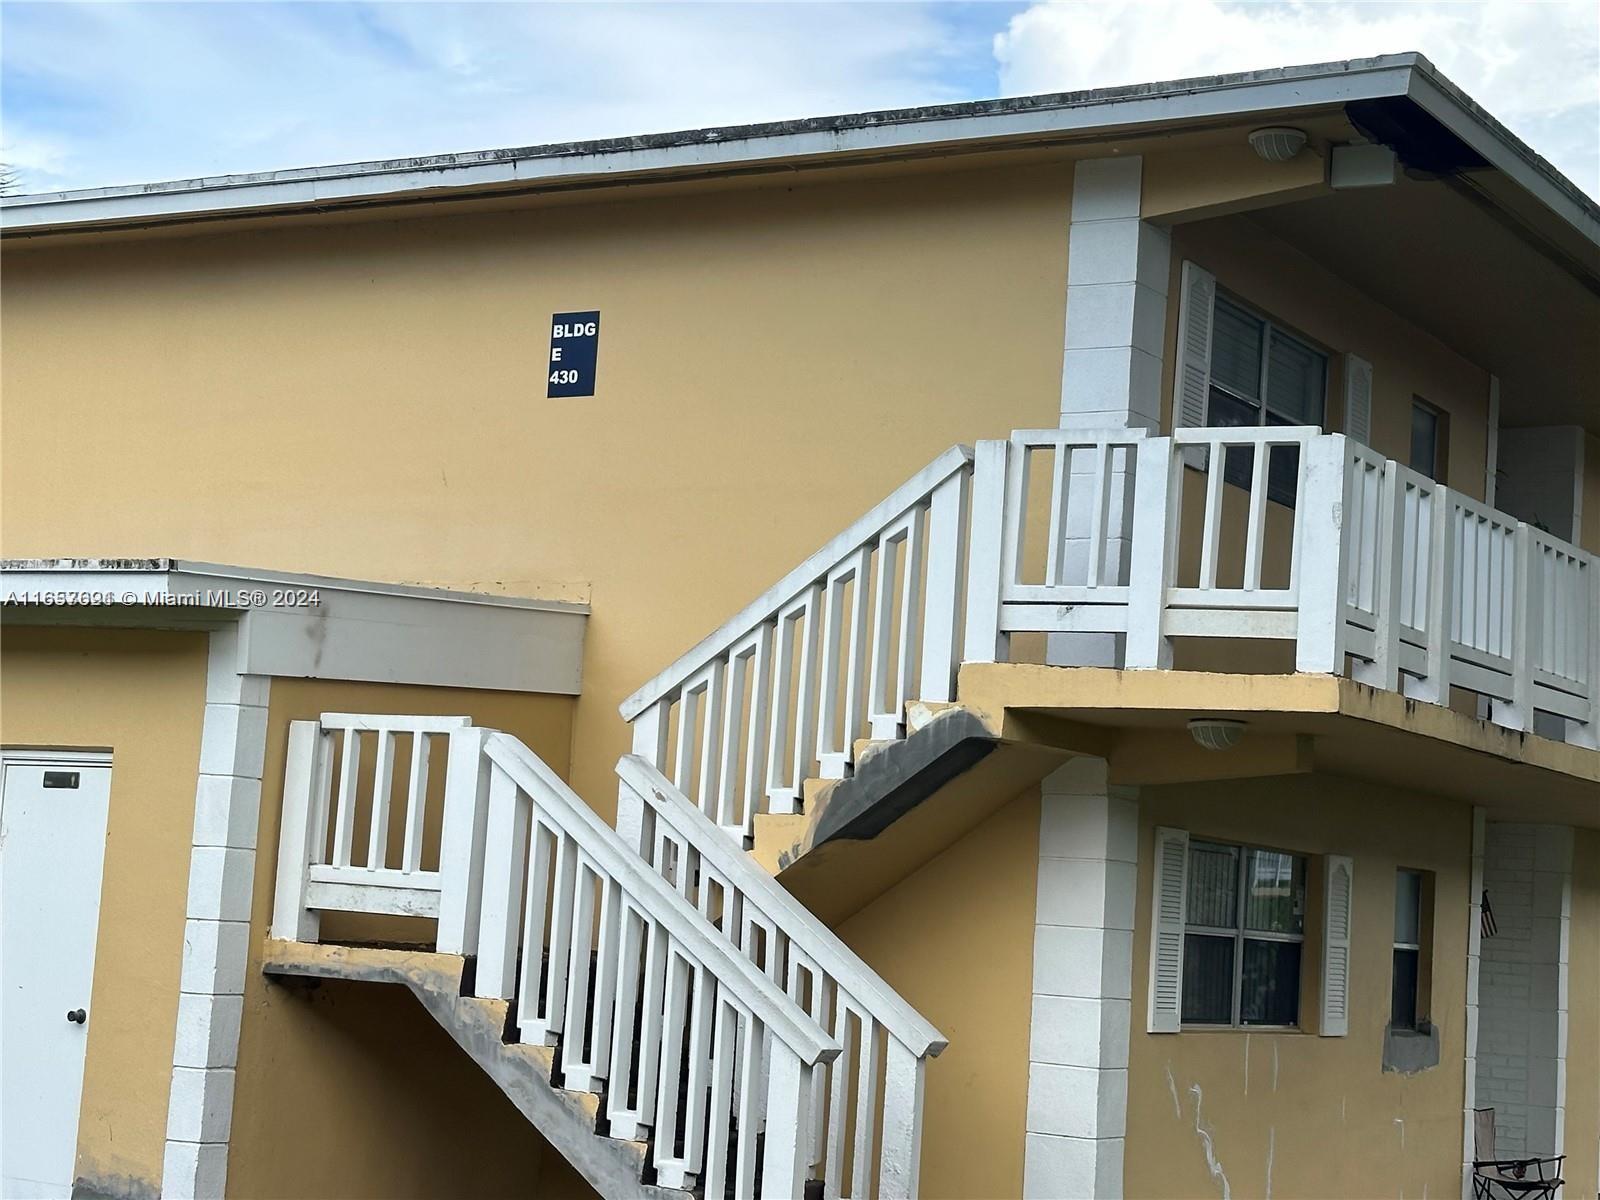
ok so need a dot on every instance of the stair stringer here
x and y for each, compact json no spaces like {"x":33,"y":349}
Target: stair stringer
{"x":565,"y":1119}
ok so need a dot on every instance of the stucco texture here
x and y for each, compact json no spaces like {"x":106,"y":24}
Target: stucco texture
{"x":349,"y":1089}
{"x":956,"y":940}
{"x":1293,"y":1113}
{"x":141,"y":695}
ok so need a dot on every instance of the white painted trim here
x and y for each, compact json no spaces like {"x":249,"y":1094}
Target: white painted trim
{"x":1081,"y":1021}
{"x":699,"y":152}
{"x":217,"y":922}
{"x":21,"y":756}
{"x":358,"y":630}
{"x":1480,"y":825}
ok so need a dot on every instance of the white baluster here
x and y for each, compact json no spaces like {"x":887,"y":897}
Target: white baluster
{"x":1434,"y":688}
{"x":344,"y":819}
{"x":382,"y":786}
{"x":534,"y":1025}
{"x":1528,"y":601}
{"x":416,"y":799}
{"x":299,"y":835}
{"x":624,"y":1119}
{"x":577,"y":1070}
{"x":871,"y":1040}
{"x":842,"y":664}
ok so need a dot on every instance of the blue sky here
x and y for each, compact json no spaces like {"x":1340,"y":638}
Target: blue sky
{"x":97,"y":94}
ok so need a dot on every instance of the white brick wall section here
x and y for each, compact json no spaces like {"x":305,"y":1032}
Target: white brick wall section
{"x":1117,"y":272}
{"x":217,"y":928}
{"x":1082,"y":984}
{"x":1520,"y":1069}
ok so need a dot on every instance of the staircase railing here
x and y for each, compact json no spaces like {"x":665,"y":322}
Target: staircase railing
{"x":705,"y":1003}
{"x":889,"y":1041}
{"x":830,"y":654}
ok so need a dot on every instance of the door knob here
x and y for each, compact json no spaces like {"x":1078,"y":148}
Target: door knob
{"x":77,"y":1016}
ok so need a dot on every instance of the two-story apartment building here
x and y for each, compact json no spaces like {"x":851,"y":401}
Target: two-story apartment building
{"x":1175,"y":774}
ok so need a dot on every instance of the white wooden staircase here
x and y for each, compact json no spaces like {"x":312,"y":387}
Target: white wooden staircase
{"x":659,"y":1007}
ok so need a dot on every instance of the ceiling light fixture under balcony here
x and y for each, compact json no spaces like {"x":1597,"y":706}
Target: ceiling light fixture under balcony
{"x":1215,"y":733}
{"x":1277,"y":143}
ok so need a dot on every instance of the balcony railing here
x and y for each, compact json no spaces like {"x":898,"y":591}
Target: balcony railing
{"x":1104,"y":542}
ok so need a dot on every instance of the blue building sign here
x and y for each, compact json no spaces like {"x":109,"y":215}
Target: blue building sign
{"x":574,"y":347}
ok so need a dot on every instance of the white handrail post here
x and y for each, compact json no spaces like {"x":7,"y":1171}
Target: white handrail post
{"x":1435,"y":689}
{"x":297,"y":835}
{"x":788,"y":1144}
{"x":1527,"y":602}
{"x":983,"y":641}
{"x":649,"y":743}
{"x":1152,"y":553}
{"x":1322,"y":554}
{"x":901,"y":1153}
{"x":941,"y":599}
{"x":1384,"y":671}
{"x":505,"y":856}
{"x":461,"y":842}
{"x":1587,"y":731}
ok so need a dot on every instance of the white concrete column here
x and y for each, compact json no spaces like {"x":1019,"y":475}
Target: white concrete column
{"x":1474,"y":973}
{"x":217,"y":928}
{"x":1523,"y":986}
{"x":1117,"y":271}
{"x":1082,"y":985}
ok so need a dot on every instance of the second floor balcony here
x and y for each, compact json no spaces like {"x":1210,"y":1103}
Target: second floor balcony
{"x":1244,"y":550}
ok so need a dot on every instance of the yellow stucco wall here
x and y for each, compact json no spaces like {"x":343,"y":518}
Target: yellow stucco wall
{"x":1296,"y":1114}
{"x":141,"y":695}
{"x":368,"y":400}
{"x":373,"y":1097}
{"x":1271,"y":275}
{"x":956,"y":940}
{"x":1582,"y":1171}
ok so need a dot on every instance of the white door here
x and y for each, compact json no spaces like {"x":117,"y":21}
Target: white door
{"x":52,"y":846}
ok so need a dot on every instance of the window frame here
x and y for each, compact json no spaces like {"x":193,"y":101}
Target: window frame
{"x":1441,"y":440}
{"x":1269,"y":329}
{"x":1418,"y":1018}
{"x":1240,"y":935}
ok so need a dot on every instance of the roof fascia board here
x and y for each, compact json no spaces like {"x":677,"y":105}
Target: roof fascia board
{"x":369,"y":632}
{"x":1506,"y":152}
{"x":1107,"y":111}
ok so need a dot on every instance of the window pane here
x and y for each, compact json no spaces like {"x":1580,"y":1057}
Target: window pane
{"x":1213,"y":885}
{"x":1424,"y":440}
{"x":1236,"y":350}
{"x":1269,"y":989}
{"x":1275,"y":892}
{"x":1295,"y":381}
{"x":1208,"y":979}
{"x":1403,"y":1003}
{"x":1408,"y":907}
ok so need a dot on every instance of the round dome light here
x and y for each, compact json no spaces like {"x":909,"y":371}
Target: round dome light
{"x":1277,"y":143}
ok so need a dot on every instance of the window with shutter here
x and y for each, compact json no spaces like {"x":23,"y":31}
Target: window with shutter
{"x":1193,"y":373}
{"x":1167,"y":919}
{"x":1358,"y":399}
{"x":1337,"y":889}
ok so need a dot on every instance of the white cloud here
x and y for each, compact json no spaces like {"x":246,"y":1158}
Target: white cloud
{"x":1535,"y":66}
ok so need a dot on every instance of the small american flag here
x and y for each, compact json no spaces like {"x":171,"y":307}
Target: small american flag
{"x":1489,"y":928}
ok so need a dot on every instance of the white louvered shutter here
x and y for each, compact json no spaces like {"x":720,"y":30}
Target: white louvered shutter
{"x":1338,"y":886}
{"x":1358,"y":399}
{"x":1168,"y":910}
{"x":1191,"y":389}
